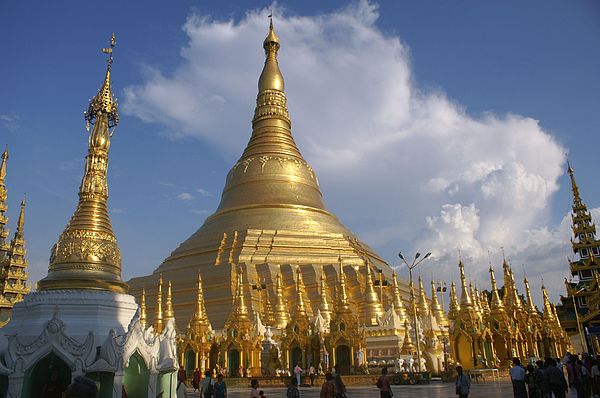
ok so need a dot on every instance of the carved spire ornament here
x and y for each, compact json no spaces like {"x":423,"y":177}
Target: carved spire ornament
{"x":281,"y":311}
{"x":324,"y":306}
{"x":87,"y":255}
{"x":169,"y":314}
{"x":453,"y":307}
{"x":158,"y":316}
{"x":371,"y":306}
{"x":143,"y":316}
{"x":398,"y":303}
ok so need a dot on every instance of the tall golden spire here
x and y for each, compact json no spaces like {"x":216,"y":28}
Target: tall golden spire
{"x":199,"y":322}
{"x":423,"y":309}
{"x":300,"y":308}
{"x":324,"y":306}
{"x":453,"y":307}
{"x":530,"y":305}
{"x":577,"y":202}
{"x":496,"y":303}
{"x":3,"y":206}
{"x":548,"y":311}
{"x":483,"y":299}
{"x":474,"y":300}
{"x":281,"y":311}
{"x":143,"y":316}
{"x":465,"y":298}
{"x":158,"y":316}
{"x":343,"y":305}
{"x":436,"y":308}
{"x":398,"y":304}
{"x":240,"y":311}
{"x":87,"y":255}
{"x":169,"y":314}
{"x":371,"y":306}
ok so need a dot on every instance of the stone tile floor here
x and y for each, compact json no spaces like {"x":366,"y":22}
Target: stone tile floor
{"x":502,"y":389}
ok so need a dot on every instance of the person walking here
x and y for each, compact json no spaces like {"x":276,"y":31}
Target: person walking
{"x":328,"y":388}
{"x":541,"y":383}
{"x":530,"y":381}
{"x":555,"y":379}
{"x":207,"y":389}
{"x":220,"y":387}
{"x":292,"y":391}
{"x":196,"y":380}
{"x":340,"y":387}
{"x":517,"y":376}
{"x":311,"y":374}
{"x":383,"y":383}
{"x":254,"y":389}
{"x":298,"y":373}
{"x":462,"y":383}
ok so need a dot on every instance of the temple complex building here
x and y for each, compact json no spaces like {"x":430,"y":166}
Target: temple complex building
{"x":13,"y":263}
{"x":579,"y":312}
{"x":489,"y":329}
{"x":273,"y":246}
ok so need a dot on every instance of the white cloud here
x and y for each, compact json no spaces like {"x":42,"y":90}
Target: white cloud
{"x":203,"y":192}
{"x":395,"y":162}
{"x":185,"y":196}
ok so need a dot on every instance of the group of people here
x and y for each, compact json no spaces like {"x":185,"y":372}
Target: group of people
{"x":546,"y":379}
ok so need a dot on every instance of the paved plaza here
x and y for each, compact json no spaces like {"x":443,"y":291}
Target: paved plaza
{"x":434,"y":390}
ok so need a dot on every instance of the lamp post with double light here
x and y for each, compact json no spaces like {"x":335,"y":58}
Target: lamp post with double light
{"x":410,"y":267}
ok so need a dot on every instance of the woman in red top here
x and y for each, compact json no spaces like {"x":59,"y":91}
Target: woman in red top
{"x":385,"y":390}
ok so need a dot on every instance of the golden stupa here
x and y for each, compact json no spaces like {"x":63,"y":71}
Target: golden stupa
{"x":271,"y":220}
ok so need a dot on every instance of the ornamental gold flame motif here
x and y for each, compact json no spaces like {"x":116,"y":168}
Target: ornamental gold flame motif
{"x":87,"y":255}
{"x":270,"y":221}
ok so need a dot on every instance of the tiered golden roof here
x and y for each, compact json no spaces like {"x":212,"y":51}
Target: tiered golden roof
{"x":3,"y":206}
{"x":87,"y":255}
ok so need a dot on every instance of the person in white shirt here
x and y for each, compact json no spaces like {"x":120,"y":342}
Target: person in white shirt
{"x":517,"y":376}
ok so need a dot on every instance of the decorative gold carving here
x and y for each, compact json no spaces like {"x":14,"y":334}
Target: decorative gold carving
{"x":88,"y":246}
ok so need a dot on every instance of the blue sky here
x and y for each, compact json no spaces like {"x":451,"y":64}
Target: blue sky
{"x":484,"y":61}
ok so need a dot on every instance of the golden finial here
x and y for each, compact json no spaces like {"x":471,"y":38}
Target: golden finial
{"x":240,"y":308}
{"x":143,"y":317}
{"x":199,"y":322}
{"x":423,"y":306}
{"x":3,"y":165}
{"x":104,"y":102}
{"x":21,"y":220}
{"x":408,"y":347}
{"x":574,"y":188}
{"x":271,"y":77}
{"x":453,"y":307}
{"x":496,"y":303}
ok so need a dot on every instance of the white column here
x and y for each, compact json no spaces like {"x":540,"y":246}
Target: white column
{"x":117,"y":384}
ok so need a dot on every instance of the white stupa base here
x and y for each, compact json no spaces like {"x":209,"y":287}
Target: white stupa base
{"x":82,"y":312}
{"x":91,"y":331}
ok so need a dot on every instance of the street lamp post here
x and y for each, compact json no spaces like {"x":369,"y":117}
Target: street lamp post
{"x":581,"y":338}
{"x":410,"y":267}
{"x":441,"y":287}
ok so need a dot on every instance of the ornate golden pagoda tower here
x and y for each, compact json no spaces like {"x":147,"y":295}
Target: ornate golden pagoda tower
{"x":271,"y":218}
{"x":578,"y":313}
{"x":87,"y":255}
{"x":13,"y":273}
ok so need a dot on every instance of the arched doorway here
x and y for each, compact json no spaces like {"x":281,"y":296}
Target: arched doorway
{"x":233,"y":362}
{"x":295,"y":357}
{"x":343,"y":358}
{"x":50,"y":372}
{"x":135,"y":377}
{"x":105,"y":382}
{"x":190,"y":361}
